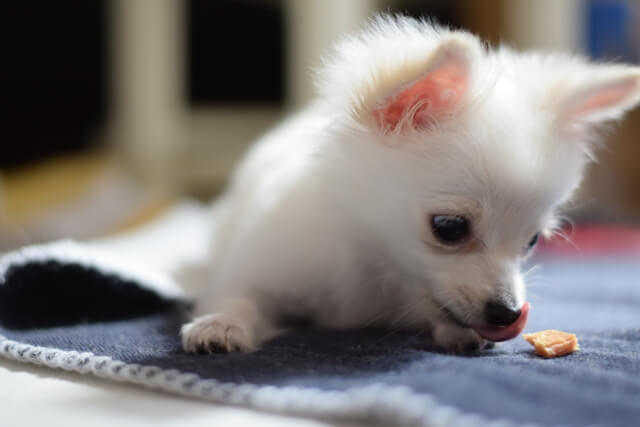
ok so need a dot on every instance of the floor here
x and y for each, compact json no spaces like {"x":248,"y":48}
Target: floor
{"x":78,"y":196}
{"x":70,"y":400}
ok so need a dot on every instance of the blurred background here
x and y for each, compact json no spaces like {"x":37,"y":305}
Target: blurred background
{"x":111,"y":110}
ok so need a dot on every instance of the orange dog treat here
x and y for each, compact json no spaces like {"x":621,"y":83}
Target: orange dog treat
{"x":552,"y":343}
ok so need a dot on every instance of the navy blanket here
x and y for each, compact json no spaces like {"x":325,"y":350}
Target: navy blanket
{"x":49,"y":307}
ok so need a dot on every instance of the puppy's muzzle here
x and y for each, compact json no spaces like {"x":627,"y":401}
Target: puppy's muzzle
{"x":497,"y":313}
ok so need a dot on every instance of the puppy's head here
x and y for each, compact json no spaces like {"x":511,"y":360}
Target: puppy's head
{"x":460,"y":156}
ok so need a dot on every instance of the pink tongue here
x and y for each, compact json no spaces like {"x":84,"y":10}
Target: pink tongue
{"x":503,"y":333}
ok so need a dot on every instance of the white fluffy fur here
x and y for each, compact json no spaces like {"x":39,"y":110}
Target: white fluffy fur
{"x":328,"y":217}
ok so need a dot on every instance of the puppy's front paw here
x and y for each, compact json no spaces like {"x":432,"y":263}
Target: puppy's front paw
{"x":217,"y":332}
{"x":451,"y":337}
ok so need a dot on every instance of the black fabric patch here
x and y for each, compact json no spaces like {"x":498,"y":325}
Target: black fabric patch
{"x":45,"y":294}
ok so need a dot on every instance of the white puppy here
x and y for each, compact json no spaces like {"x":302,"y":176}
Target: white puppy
{"x":408,"y":193}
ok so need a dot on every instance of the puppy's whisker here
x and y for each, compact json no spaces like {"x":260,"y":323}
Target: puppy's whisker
{"x":573,"y":206}
{"x":568,"y":240}
{"x":467,"y":317}
{"x":531,"y":271}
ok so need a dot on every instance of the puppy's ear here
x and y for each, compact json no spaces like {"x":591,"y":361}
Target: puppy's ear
{"x":611,"y":92}
{"x":421,"y":96}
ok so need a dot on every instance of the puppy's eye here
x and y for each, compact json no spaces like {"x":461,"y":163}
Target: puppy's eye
{"x":533,"y":241}
{"x":450,"y":229}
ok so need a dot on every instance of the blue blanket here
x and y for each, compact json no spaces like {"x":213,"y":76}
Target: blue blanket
{"x":59,"y":306}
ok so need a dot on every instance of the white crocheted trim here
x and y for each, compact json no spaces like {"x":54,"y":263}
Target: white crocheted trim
{"x":378,"y":403}
{"x":70,"y":252}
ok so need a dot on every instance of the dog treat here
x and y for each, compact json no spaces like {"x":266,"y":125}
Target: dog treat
{"x":552,"y":343}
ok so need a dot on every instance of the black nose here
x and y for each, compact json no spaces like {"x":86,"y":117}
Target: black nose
{"x":498,"y":314}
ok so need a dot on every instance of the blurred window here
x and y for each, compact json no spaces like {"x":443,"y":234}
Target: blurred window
{"x":235,"y":51}
{"x":53,"y":77}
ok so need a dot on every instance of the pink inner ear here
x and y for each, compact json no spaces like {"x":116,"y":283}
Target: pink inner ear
{"x":602,"y":98}
{"x":427,"y":98}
